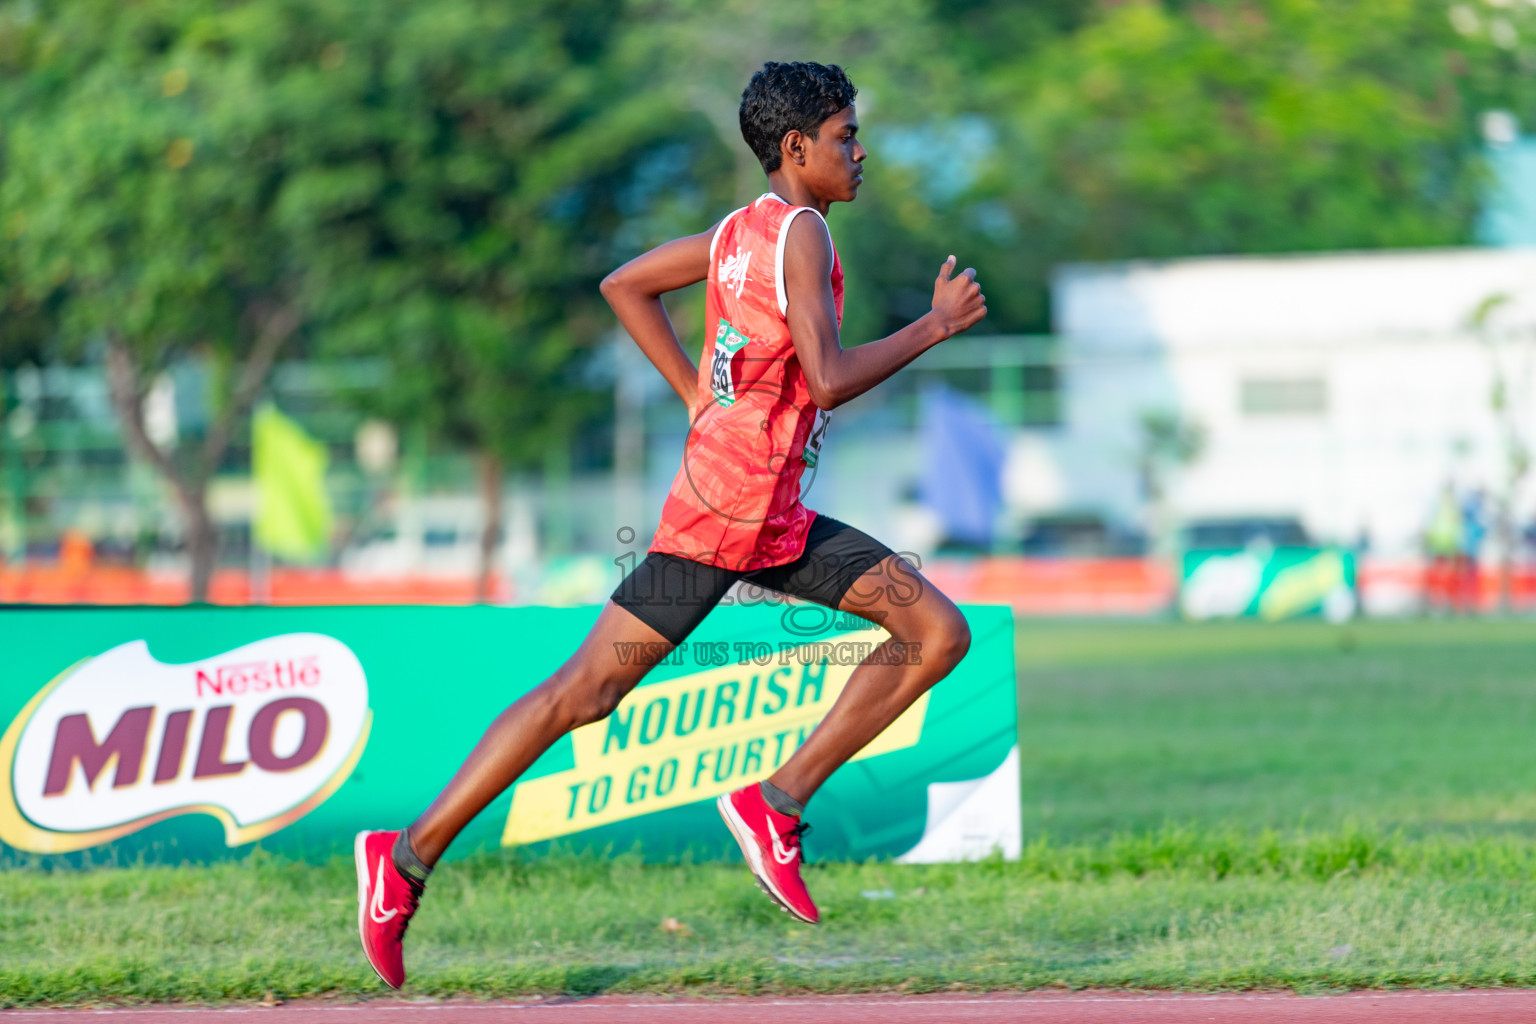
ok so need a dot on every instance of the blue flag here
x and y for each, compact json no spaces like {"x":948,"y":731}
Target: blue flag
{"x":962,"y":465}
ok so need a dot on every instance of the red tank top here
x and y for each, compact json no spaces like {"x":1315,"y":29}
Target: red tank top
{"x":735,"y":501}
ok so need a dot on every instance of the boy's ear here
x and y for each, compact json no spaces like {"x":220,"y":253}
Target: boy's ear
{"x":792,"y":146}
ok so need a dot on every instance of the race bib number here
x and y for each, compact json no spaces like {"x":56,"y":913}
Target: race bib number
{"x":728,"y":341}
{"x":818,"y":434}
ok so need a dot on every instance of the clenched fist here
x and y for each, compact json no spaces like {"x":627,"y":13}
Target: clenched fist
{"x":957,"y":301}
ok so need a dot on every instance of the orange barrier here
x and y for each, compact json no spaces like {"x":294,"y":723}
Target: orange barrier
{"x":1445,"y":585}
{"x":1123,"y":586}
{"x":1031,"y":586}
{"x":111,"y":585}
{"x":1058,"y":586}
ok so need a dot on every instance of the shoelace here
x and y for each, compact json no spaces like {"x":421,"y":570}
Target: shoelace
{"x":791,"y":838}
{"x":416,"y":889}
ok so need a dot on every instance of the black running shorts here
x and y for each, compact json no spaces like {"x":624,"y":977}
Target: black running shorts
{"x":673,"y":594}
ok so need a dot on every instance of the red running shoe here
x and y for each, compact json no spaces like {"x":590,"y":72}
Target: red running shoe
{"x":771,"y":843}
{"x":386,"y":899}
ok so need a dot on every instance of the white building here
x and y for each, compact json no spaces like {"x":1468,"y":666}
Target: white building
{"x":1343,"y":389}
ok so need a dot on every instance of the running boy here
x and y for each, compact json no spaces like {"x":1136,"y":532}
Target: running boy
{"x":758,"y":404}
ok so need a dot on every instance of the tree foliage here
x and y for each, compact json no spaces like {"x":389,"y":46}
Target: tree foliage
{"x":455,"y":192}
{"x":1250,"y":126}
{"x":440,"y":185}
{"x":430,"y":185}
{"x":452,"y":193}
{"x":129,"y":216}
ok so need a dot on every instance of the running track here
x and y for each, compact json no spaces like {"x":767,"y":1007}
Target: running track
{"x":1078,"y":1008}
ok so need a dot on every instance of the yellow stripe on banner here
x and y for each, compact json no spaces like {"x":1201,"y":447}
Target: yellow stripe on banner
{"x":697,"y":736}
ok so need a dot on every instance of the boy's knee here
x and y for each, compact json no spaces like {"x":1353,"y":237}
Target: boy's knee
{"x":947,"y":641}
{"x":583,"y":699}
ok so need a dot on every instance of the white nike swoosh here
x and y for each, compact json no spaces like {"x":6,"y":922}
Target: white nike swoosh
{"x":780,"y":854}
{"x":376,"y":908}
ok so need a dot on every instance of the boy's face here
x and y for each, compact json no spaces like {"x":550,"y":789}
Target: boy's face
{"x":834,"y":160}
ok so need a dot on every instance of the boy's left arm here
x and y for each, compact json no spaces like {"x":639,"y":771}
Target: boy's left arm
{"x":835,"y":374}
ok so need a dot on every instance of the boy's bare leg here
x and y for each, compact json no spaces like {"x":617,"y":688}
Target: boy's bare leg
{"x":585,"y":689}
{"x":877,"y":691}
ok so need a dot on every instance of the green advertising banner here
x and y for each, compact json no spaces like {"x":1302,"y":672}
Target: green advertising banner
{"x":1271,"y":583}
{"x":194,"y":732}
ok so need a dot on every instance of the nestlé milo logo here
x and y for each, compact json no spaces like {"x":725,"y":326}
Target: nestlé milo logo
{"x":257,"y":737}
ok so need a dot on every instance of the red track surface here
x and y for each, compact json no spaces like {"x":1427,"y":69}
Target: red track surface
{"x":1078,"y":1008}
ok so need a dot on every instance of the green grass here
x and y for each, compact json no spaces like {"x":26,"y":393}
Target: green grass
{"x":1174,"y":909}
{"x":1221,"y":807}
{"x":1415,"y":726}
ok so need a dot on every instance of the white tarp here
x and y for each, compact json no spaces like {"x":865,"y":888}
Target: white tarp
{"x":971,"y":819}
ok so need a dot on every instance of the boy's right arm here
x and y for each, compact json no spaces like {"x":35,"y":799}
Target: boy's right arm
{"x":634,"y":291}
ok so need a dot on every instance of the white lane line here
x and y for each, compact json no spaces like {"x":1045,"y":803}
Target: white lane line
{"x":1399,"y":995}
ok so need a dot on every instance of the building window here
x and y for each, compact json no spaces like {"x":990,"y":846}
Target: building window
{"x":1284,"y":396}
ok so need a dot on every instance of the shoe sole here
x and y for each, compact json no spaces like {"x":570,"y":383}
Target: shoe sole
{"x":360,"y":855}
{"x":754,"y":857}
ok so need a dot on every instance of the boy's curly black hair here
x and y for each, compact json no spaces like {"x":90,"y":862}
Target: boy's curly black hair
{"x":783,"y":97}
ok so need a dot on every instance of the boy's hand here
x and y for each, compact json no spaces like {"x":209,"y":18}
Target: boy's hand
{"x":957,"y":301}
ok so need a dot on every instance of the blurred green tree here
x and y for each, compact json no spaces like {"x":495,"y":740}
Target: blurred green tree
{"x":129,"y":219}
{"x":435,"y":185}
{"x":26,"y":323}
{"x":459,"y":170}
{"x":700,"y":56}
{"x":1230,"y":126}
{"x":442,"y":185}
